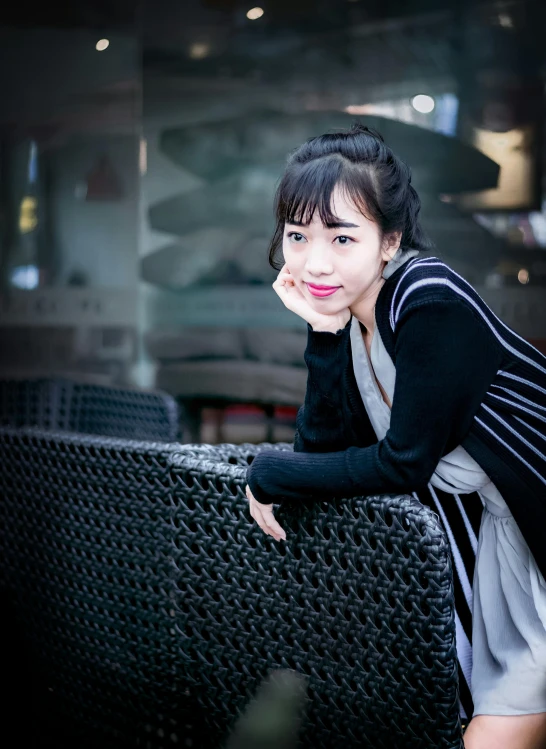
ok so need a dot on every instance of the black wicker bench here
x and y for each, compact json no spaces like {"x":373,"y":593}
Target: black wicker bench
{"x":60,"y":404}
{"x":152,"y":608}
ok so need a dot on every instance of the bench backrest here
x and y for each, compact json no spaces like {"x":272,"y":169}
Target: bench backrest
{"x":60,"y":404}
{"x":155,"y":607}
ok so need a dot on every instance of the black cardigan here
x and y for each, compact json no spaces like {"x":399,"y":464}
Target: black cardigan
{"x":462,"y":378}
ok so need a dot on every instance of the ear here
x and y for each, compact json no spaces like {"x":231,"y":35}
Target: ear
{"x":390,"y":245}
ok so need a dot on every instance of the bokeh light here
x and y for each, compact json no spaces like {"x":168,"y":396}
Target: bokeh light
{"x":423,"y":103}
{"x":254,"y":13}
{"x":199,"y":50}
{"x":523,"y":276}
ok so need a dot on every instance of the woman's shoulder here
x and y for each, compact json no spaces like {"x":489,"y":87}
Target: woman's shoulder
{"x":429,"y":280}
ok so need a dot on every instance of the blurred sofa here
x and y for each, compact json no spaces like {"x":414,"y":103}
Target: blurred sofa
{"x":214,"y":366}
{"x":245,"y":365}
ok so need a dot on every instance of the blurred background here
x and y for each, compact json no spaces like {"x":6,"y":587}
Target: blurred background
{"x":140,"y":147}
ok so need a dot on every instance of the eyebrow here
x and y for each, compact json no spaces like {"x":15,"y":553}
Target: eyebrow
{"x":333,"y":225}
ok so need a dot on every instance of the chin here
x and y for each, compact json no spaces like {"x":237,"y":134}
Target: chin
{"x":327,"y":309}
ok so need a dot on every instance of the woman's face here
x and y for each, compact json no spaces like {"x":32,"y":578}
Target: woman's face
{"x":349,"y":257}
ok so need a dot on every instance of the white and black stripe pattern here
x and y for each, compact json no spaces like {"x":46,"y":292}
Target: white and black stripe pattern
{"x":513,"y":414}
{"x":460,"y":516}
{"x":511,"y":420}
{"x":431,"y":274}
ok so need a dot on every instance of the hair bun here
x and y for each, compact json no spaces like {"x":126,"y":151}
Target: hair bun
{"x":358,"y":160}
{"x":359,"y":129}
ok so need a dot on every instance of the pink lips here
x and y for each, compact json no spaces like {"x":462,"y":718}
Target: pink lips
{"x":322,"y":290}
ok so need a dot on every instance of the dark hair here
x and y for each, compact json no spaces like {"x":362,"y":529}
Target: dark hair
{"x":374,"y":179}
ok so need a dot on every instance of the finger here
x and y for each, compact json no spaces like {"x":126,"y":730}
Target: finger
{"x":258,"y":517}
{"x":284,"y":287}
{"x":261,"y":514}
{"x":273,"y":525}
{"x":280,"y":290}
{"x":254,"y":515}
{"x":267,"y":521}
{"x":284,"y":280}
{"x":285,"y":274}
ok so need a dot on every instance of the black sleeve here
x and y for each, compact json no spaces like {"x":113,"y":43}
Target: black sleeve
{"x":321,"y":423}
{"x":446,"y":359}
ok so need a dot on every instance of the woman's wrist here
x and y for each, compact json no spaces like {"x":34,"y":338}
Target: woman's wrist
{"x":260,"y":461}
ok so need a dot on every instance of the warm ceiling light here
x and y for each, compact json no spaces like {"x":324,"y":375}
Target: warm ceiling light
{"x":523,"y":276}
{"x":423,"y":103}
{"x":199,"y":50}
{"x":28,"y":216}
{"x":102,"y":44}
{"x":255,"y":13}
{"x":358,"y":109}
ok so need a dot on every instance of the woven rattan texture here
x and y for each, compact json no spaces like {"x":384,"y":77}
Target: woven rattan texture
{"x":239,"y":455}
{"x":359,"y":600}
{"x":86,"y":533}
{"x":63,"y":405}
{"x":155,"y":607}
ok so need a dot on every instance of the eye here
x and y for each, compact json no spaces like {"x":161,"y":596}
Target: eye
{"x":296,"y":237}
{"x":344,"y":241}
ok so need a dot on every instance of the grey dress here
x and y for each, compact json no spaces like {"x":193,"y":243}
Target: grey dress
{"x":507,"y":660}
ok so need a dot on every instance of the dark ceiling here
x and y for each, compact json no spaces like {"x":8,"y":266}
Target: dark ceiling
{"x":88,"y":14}
{"x":166,"y":28}
{"x":300,"y":15}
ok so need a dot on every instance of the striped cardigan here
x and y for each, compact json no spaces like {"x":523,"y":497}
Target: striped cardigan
{"x":508,"y":433}
{"x":336,"y":449}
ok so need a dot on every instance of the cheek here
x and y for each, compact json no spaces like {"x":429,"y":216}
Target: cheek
{"x":358,"y":267}
{"x":293,"y":260}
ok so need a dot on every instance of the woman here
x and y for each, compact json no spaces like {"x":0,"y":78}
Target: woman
{"x":463,"y":430}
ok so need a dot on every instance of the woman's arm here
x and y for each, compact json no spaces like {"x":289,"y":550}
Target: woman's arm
{"x":446,"y":359}
{"x":325,"y":422}
{"x":320,"y":421}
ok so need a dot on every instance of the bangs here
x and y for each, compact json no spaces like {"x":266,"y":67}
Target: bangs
{"x":307,"y":190}
{"x":369,"y":176}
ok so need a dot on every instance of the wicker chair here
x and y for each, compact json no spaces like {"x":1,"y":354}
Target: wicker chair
{"x":153,"y":608}
{"x":64,"y":405}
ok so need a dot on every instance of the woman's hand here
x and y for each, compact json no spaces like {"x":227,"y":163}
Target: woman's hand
{"x":293,"y":299}
{"x":263,"y":515}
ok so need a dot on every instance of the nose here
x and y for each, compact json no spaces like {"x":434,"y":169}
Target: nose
{"x":318,"y":261}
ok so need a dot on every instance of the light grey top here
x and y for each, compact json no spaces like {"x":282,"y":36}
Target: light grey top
{"x":457,"y":472}
{"x":506,"y":664}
